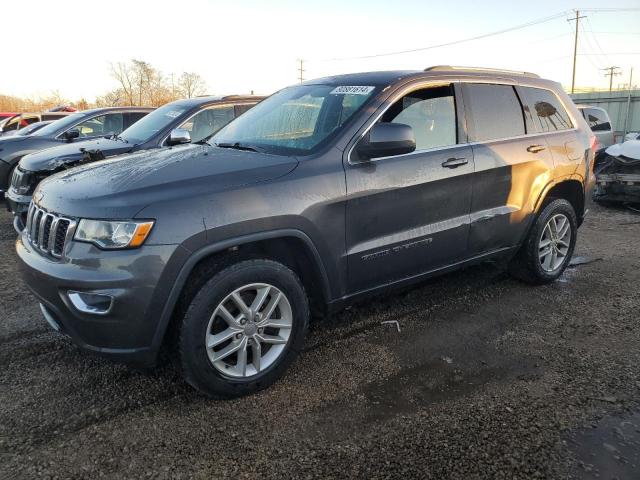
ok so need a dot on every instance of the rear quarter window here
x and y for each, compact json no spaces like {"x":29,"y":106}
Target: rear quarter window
{"x":493,"y":112}
{"x":543,"y":111}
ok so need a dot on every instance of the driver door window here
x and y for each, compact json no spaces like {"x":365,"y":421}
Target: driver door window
{"x":100,"y":126}
{"x":207,"y":122}
{"x":431,"y":113}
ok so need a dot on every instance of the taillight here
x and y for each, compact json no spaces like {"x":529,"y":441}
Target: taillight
{"x":593,"y":145}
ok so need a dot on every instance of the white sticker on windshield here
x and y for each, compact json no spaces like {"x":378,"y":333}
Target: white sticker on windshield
{"x":174,"y":113}
{"x":352,"y":90}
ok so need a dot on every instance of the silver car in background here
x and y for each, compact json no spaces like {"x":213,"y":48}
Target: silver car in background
{"x":600,"y":124}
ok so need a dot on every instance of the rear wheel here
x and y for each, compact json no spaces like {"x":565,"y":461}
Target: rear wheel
{"x":549,"y":245}
{"x":243,"y":328}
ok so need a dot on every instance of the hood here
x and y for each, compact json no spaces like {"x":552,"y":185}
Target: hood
{"x":629,"y":149}
{"x":68,"y":153}
{"x":122,"y":186}
{"x":16,"y":146}
{"x":11,"y":139}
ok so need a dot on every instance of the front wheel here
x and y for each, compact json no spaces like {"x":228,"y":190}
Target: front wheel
{"x":243,"y":328}
{"x":549,"y":245}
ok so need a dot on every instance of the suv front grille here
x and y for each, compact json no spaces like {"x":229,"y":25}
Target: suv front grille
{"x":48,"y":232}
{"x":23,"y":183}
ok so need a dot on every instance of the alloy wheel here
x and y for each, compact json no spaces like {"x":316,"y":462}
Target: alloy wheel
{"x":249,"y":330}
{"x":554,"y":242}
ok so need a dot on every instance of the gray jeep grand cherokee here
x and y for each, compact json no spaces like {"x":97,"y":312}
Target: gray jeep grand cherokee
{"x":324,"y":193}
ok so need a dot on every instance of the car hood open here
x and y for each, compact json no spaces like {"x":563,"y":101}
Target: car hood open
{"x":629,"y":150}
{"x":122,"y":186}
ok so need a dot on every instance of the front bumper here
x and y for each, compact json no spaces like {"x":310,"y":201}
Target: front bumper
{"x":130,"y":277}
{"x":18,"y":205}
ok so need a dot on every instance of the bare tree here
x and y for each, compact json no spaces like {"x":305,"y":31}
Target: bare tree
{"x":124,"y":75}
{"x":137,"y":83}
{"x":191,"y":85}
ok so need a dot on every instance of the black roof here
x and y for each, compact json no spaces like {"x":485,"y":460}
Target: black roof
{"x":112,"y":109}
{"x":363,"y":78}
{"x":384,"y":78}
{"x":207,"y":99}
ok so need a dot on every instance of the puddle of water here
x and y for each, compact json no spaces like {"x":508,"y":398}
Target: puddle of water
{"x":610,"y":449}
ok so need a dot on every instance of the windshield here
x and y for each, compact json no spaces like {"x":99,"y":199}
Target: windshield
{"x":295,"y":120}
{"x":150,"y":124}
{"x":58,"y":125}
{"x":23,"y":132}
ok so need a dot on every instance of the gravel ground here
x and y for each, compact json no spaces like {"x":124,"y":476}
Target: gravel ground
{"x":488,"y":378}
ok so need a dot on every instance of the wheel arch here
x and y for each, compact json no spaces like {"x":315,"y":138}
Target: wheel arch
{"x":292,"y":247}
{"x":571,"y":188}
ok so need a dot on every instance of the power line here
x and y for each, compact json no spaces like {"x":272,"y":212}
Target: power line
{"x":594,"y":60}
{"x":603,"y":10}
{"x":595,"y":39}
{"x":455,"y":42}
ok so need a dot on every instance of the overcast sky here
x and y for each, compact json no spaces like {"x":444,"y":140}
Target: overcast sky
{"x":238,"y":46}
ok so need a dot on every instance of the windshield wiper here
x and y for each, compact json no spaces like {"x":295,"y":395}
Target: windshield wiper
{"x":238,"y":146}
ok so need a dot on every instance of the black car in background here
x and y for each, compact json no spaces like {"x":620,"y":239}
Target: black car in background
{"x":69,"y":128}
{"x":179,"y":122}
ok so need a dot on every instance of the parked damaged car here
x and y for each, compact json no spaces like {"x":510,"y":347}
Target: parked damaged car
{"x":325,"y":193}
{"x":180,"y":122}
{"x":618,"y":174}
{"x":71,"y":128}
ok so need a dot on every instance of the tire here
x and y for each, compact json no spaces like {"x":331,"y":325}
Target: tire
{"x":215,"y":313}
{"x":527,"y":265}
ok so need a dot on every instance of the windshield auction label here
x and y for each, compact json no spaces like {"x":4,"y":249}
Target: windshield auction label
{"x":352,"y":90}
{"x":174,"y":113}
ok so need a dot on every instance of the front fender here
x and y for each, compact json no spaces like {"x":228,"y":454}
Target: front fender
{"x":184,"y":261}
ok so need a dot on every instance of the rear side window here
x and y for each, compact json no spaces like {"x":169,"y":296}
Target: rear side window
{"x":494,"y":112}
{"x":543,"y":111}
{"x":597,"y":119}
{"x":431,"y":112}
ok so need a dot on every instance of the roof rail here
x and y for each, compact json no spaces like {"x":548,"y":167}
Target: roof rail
{"x":441,"y":68}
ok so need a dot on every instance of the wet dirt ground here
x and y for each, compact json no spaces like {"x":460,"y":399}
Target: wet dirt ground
{"x":487,"y":378}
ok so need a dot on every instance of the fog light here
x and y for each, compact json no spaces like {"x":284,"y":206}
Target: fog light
{"x":94,"y":303}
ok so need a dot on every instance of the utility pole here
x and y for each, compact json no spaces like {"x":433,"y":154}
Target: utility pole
{"x":612,"y":71}
{"x":575,"y":49}
{"x":301,"y":70}
{"x":626,"y":118}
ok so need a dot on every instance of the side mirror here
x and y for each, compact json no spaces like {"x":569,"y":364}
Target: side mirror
{"x":69,"y":135}
{"x":179,"y":136}
{"x":385,"y":140}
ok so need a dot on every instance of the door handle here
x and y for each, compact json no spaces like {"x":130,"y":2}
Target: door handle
{"x":535,"y":148}
{"x":454,"y":162}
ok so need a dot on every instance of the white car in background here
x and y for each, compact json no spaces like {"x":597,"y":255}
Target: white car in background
{"x":600,"y":124}
{"x":632,"y":136}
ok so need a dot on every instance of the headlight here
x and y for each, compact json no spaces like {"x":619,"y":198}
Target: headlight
{"x":111,"y":234}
